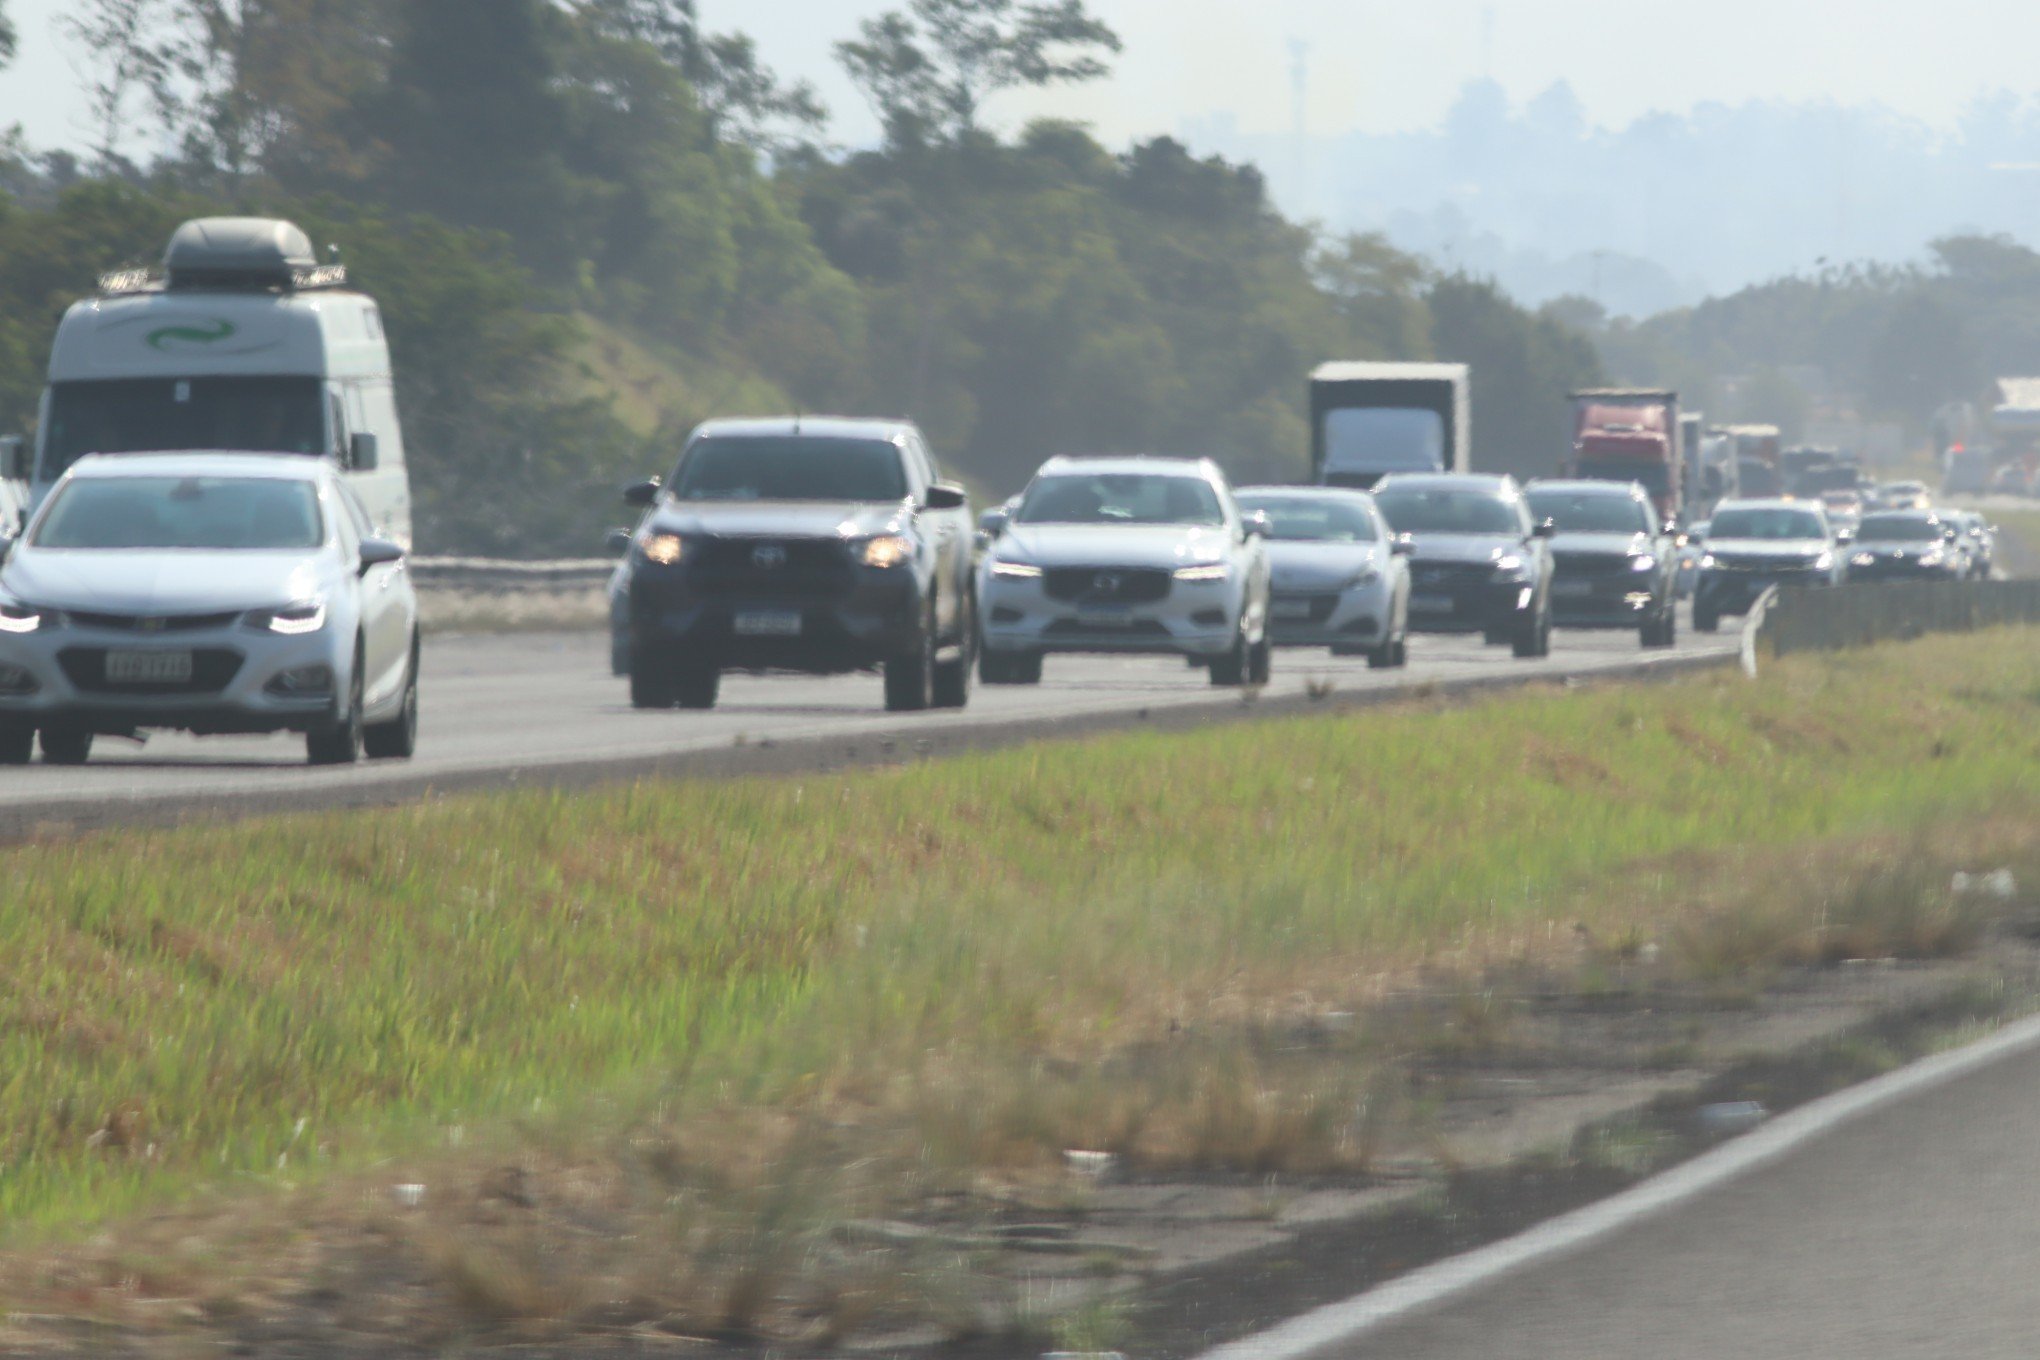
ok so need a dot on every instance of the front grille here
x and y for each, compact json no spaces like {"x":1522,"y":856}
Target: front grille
{"x":1451,"y":575}
{"x":1771,"y":565}
{"x":1283,"y":608}
{"x":212,"y":670}
{"x":1590,"y":564}
{"x":771,"y":568}
{"x":1083,"y":628}
{"x":1107,"y":585}
{"x":152,"y":623}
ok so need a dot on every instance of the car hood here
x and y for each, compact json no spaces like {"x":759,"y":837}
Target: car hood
{"x":1463,"y":548}
{"x":161,"y":583}
{"x":1609,"y":545}
{"x":1115,"y":545}
{"x":1307,"y":566}
{"x":1768,"y":547}
{"x":781,"y":519}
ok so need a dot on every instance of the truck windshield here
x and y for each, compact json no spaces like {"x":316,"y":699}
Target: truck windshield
{"x":1575,"y":513}
{"x":177,"y":415}
{"x":1449,"y":510}
{"x":1779,"y":524}
{"x":269,"y":514}
{"x":1391,"y":439}
{"x":791,"y":468}
{"x":1121,"y":498}
{"x":1305,"y":519}
{"x":1655,"y":478}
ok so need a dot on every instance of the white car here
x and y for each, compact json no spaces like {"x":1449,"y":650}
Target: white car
{"x":1125,"y":555}
{"x":1340,"y":576}
{"x":206,"y":593}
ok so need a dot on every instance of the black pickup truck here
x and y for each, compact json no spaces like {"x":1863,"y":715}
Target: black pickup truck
{"x":817,"y":546}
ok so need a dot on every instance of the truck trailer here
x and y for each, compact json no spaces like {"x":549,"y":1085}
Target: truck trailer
{"x":1368,"y":420}
{"x":1631,"y":434}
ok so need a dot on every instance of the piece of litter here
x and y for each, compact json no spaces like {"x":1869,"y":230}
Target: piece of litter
{"x":1998,"y":883}
{"x":409,"y":1196}
{"x":1732,"y":1117}
{"x":1092,"y":1165}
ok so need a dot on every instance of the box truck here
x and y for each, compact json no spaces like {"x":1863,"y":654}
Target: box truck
{"x":1372,"y":419}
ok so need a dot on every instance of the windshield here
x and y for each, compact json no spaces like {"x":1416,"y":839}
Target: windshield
{"x":1449,"y":510}
{"x":791,"y":468}
{"x":176,"y":415}
{"x":1898,"y":529}
{"x":1305,"y":519}
{"x":1385,"y":440}
{"x":156,"y":513}
{"x":1777,"y":524}
{"x":1121,"y":498}
{"x":1575,"y":513}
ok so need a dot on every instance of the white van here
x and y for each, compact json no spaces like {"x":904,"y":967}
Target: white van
{"x":245,"y":343}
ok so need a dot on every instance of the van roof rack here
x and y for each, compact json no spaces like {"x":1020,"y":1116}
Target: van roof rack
{"x":232,"y":255}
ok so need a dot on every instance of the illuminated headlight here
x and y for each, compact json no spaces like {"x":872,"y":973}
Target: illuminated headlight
{"x":661,"y":549}
{"x":1216,"y":571}
{"x":1825,"y":562}
{"x":20,"y":618}
{"x":1863,"y":560}
{"x":1709,"y":562}
{"x":1933,"y":559}
{"x":295,"y":620}
{"x":1644,"y":563}
{"x":888,"y":551}
{"x":1509,"y":565}
{"x":1016,"y":571}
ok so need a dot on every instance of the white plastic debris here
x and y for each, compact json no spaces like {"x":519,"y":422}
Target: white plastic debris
{"x":409,"y":1196}
{"x":1090,"y":1165}
{"x":1731,"y":1117}
{"x":1998,"y":883}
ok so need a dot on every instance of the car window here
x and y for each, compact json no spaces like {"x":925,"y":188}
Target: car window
{"x":1121,"y":498}
{"x":1316,"y":519}
{"x":357,"y":513}
{"x":1898,"y":529}
{"x":1777,"y":523}
{"x":791,"y":468}
{"x":1449,"y":510}
{"x":1584,"y":513}
{"x":170,"y":513}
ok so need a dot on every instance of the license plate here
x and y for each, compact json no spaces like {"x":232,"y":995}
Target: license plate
{"x":1432,"y":604}
{"x":1572,"y":589}
{"x":1105,"y":618}
{"x":148,"y":668}
{"x":1292,"y":609}
{"x":769,"y":623}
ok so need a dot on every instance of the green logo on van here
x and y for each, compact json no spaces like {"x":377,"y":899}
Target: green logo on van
{"x":210,"y":334}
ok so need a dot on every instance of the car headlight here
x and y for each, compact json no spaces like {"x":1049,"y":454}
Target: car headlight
{"x":1643,"y":563}
{"x":21,"y":618}
{"x":1509,"y":565}
{"x":1015,"y":571}
{"x":1365,"y":577}
{"x":661,"y":549}
{"x":1215,"y":571}
{"x":1825,"y":562}
{"x":297,"y":620}
{"x":888,"y":551}
{"x":1709,"y":562}
{"x":1933,"y":559}
{"x":1863,"y":560}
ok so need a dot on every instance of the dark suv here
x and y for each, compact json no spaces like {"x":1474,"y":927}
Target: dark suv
{"x":1614,"y":564}
{"x":1479,"y":563}
{"x":818,"y":546}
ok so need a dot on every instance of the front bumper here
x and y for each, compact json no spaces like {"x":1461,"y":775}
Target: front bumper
{"x":1734,"y":592}
{"x":1610,"y":599}
{"x":1464,"y":603}
{"x":60,"y":676}
{"x":853,"y":623}
{"x":1358,"y":616}
{"x":1889,"y":569}
{"x":1189,"y":618}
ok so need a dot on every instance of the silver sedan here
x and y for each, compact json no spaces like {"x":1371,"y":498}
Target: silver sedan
{"x":206,"y":593}
{"x":1341,"y":577}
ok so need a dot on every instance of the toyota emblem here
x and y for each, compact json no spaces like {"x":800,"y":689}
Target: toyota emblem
{"x":768,"y":557}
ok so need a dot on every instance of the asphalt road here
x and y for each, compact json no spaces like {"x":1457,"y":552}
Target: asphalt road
{"x":1910,"y":1233}
{"x":506,"y":707}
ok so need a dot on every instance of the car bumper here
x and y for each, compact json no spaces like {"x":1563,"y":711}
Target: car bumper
{"x":874,"y":617}
{"x":60,"y":676}
{"x":1904,"y":571}
{"x":1735,"y":592}
{"x":1197,"y":618}
{"x":1362,"y":616}
{"x":1472,"y":607}
{"x":1604,"y":602}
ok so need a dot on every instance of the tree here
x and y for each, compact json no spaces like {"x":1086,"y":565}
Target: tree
{"x":124,"y":46}
{"x":929,"y":70}
{"x":8,"y":39}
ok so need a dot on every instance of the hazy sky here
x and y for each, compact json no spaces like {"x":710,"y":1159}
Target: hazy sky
{"x":1381,"y":66}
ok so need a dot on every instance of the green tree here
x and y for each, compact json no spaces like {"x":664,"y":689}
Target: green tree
{"x":1524,"y":364}
{"x":9,"y":40}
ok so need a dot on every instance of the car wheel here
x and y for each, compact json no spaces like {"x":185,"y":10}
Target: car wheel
{"x":1533,"y":638}
{"x":339,"y":742}
{"x":1705,"y":621}
{"x":1231,"y":669}
{"x":1383,"y":657}
{"x":910,"y":676}
{"x":697,"y":686}
{"x":397,"y":739}
{"x":17,"y":743}
{"x":1261,"y":661}
{"x":66,"y":745}
{"x":952,"y":678}
{"x":651,"y":679}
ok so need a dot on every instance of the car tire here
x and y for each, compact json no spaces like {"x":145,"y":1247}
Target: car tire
{"x":1533,"y":639}
{"x":66,"y":745}
{"x":651,"y":680}
{"x":1706,"y":622}
{"x":1665,"y":632}
{"x":1230,"y":671}
{"x":952,"y":678}
{"x":338,"y":742}
{"x":1009,"y":668}
{"x":1261,"y":661}
{"x":910,"y":676}
{"x":1383,"y":657}
{"x":17,"y":743}
{"x":697,"y":687}
{"x":397,"y":739}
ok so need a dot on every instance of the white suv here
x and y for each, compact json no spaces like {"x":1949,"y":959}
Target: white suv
{"x":1127,"y":555}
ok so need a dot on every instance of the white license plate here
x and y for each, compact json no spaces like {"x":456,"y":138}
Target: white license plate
{"x":1292,"y":609}
{"x":148,"y":668}
{"x":769,"y":623}
{"x":1431,"y":604}
{"x":1572,"y":589}
{"x":1106,"y":618}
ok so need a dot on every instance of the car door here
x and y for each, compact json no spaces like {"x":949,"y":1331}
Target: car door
{"x":385,"y":612}
{"x":946,"y":531}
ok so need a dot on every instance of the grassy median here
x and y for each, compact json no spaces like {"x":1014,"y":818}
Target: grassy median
{"x":985,"y":960}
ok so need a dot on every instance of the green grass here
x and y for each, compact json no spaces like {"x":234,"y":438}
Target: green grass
{"x":965,"y":946}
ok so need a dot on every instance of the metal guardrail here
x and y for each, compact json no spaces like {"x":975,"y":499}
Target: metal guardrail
{"x":1857,"y":616}
{"x":510,"y":575}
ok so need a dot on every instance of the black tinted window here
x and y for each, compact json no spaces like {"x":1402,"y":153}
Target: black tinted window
{"x":1449,"y":510}
{"x":1121,"y":498}
{"x":1327,"y":519}
{"x":1582,"y":514}
{"x":1898,"y":529}
{"x":176,"y":415}
{"x":790,"y":468}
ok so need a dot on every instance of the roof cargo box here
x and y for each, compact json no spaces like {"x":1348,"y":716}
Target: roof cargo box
{"x":233,"y":253}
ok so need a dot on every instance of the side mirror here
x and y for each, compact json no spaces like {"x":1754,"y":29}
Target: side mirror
{"x":1845,"y":536}
{"x":1402,"y":545}
{"x":992,"y":523}
{"x":364,"y":453}
{"x":642,"y":495}
{"x":17,"y":460}
{"x":618,"y":542}
{"x":946,"y":496}
{"x":378,"y":552}
{"x":1545,"y":529}
{"x":1255,"y":524}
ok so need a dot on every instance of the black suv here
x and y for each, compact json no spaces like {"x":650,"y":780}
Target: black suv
{"x":1479,"y":562}
{"x":1614,"y":564}
{"x":818,"y":546}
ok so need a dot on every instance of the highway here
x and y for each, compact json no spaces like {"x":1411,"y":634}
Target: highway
{"x":1908,"y":1233}
{"x":509,"y":708}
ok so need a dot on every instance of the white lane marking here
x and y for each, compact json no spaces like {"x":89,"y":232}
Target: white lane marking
{"x":1341,"y":1324}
